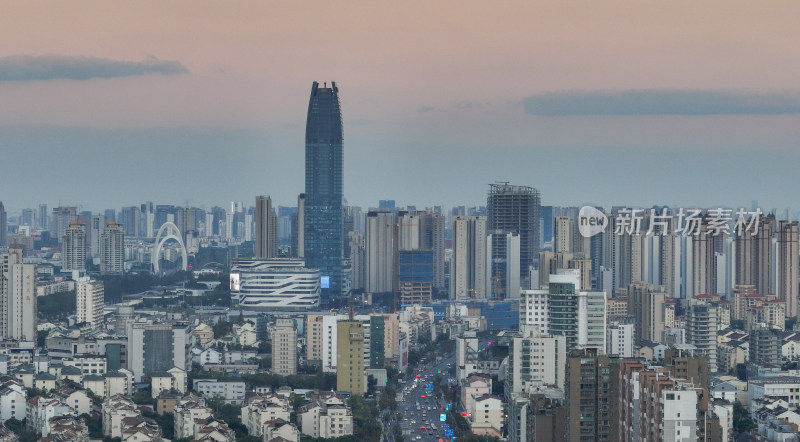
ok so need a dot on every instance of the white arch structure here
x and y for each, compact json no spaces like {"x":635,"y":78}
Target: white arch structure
{"x":170,"y":231}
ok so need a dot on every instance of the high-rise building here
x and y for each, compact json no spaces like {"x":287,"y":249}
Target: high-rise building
{"x":423,"y":230}
{"x":112,"y":249}
{"x":503,"y":250}
{"x":62,"y":217}
{"x":515,"y":209}
{"x":284,"y":347}
{"x":592,"y":394}
{"x":97,"y":227}
{"x":562,"y":238}
{"x":765,"y":344}
{"x":701,"y":329}
{"x":415,"y":275}
{"x":647,"y":307}
{"x":324,"y":186}
{"x":564,"y":310}
{"x":18,"y":298}
{"x":788,"y":281}
{"x":754,"y":256}
{"x":130,"y":218}
{"x":350,"y":357}
{"x":468,"y":265}
{"x":379,"y":252}
{"x":89,"y":300}
{"x":27,"y":217}
{"x":3,"y":225}
{"x":619,"y":340}
{"x":161,"y":346}
{"x":535,"y":359}
{"x":43,"y":217}
{"x":298,"y":227}
{"x":266,"y":244}
{"x":110,"y":214}
{"x":73,"y":250}
{"x":703,"y":262}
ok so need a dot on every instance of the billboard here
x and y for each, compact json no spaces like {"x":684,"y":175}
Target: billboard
{"x":235,"y":282}
{"x":325,"y":282}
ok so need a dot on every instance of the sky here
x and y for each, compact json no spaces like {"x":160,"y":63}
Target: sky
{"x":685,"y":103}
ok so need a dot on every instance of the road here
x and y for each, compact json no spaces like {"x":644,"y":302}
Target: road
{"x":419,"y":410}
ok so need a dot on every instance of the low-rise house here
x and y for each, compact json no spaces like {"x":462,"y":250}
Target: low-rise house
{"x":258,"y":409}
{"x":119,"y":382}
{"x":12,"y":399}
{"x":40,"y":409}
{"x":45,"y":382}
{"x":280,"y":428}
{"x":213,"y":430}
{"x":75,"y":397}
{"x":486,"y":415}
{"x":186,"y":411}
{"x":231,"y":392}
{"x":115,"y":410}
{"x":67,"y":429}
{"x":326,"y":416}
{"x":96,"y":384}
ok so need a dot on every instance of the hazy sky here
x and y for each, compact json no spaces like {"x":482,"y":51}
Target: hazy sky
{"x":105,"y":104}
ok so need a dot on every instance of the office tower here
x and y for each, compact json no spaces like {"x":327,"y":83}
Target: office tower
{"x":147,"y":220}
{"x":18,"y":298}
{"x":515,"y":209}
{"x":787,"y":284}
{"x":161,"y":346}
{"x":62,"y":217}
{"x":266,"y":229}
{"x":298,"y":227}
{"x":533,"y":359}
{"x":3,"y":225}
{"x":284,"y":347}
{"x":43,"y":217}
{"x":503,"y":250}
{"x":97,"y":227}
{"x":415,"y":275}
{"x":350,"y":356}
{"x":27,"y":217}
{"x":89,"y":300}
{"x":423,"y":230}
{"x":701,"y":329}
{"x":468,"y":264}
{"x":324,"y":185}
{"x":565,"y":310}
{"x":592,"y":395}
{"x":110,"y":214}
{"x":647,"y":307}
{"x":562,"y":239}
{"x":112,"y":249}
{"x":379,"y":251}
{"x":73,"y":249}
{"x":130,"y":218}
{"x":765,"y":344}
{"x":186,"y":220}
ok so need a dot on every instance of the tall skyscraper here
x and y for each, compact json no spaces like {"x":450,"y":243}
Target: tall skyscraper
{"x":324,"y":187}
{"x":3,"y":225}
{"x":130,"y":220}
{"x":379,"y":252}
{"x":266,"y":229}
{"x":562,"y":238}
{"x":503,"y":250}
{"x":89,"y":301}
{"x":112,"y":249}
{"x":17,"y":298}
{"x":43,"y":217}
{"x":787,"y":285}
{"x":754,"y":256}
{"x":468,"y":265}
{"x":298,"y":228}
{"x":515,"y":209}
{"x":73,"y":250}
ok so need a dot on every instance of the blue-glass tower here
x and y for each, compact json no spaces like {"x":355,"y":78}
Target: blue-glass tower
{"x":324,"y":169}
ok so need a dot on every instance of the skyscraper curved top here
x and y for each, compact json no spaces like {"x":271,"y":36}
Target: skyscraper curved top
{"x":324,"y":182}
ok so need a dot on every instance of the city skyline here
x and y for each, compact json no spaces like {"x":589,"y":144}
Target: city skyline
{"x":688,"y":105}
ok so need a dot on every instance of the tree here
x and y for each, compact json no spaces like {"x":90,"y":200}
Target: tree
{"x":741,"y":419}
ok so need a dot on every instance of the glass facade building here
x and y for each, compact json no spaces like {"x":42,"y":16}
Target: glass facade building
{"x":323,"y":228}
